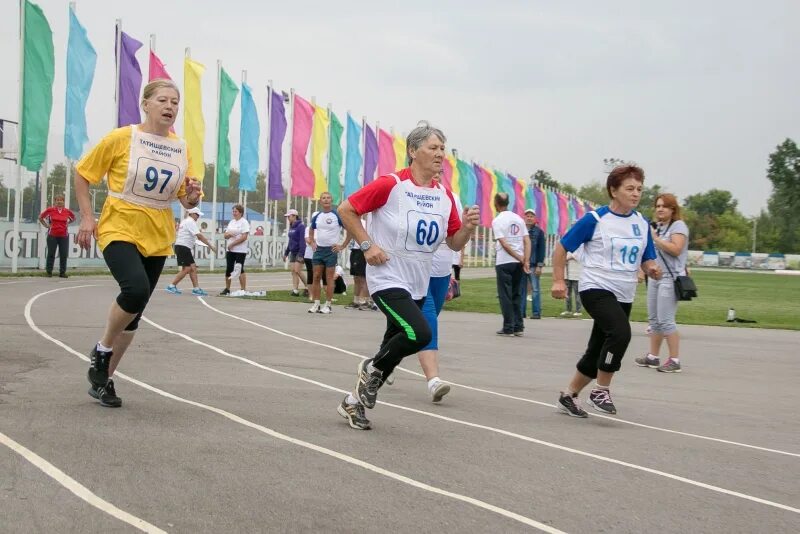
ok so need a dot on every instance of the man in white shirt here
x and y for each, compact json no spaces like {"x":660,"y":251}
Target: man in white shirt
{"x":512,"y":263}
{"x":188,"y":235}
{"x":324,"y":236}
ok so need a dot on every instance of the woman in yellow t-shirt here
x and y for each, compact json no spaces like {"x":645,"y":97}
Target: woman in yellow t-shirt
{"x":146,"y":168}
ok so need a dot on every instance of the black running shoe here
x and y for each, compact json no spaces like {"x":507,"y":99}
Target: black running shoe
{"x":98,"y":367}
{"x":107,"y":395}
{"x":600,"y":400}
{"x":225,"y":292}
{"x":567,"y":404}
{"x":354,"y":413}
{"x":367,"y":384}
{"x":504,"y":333}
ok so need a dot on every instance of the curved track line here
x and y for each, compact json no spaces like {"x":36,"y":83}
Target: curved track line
{"x":498,"y":394}
{"x":522,"y":437}
{"x":311,"y":446}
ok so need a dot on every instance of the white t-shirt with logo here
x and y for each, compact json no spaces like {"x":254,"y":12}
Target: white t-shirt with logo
{"x":327,"y":228}
{"x":443,"y":257}
{"x":187,"y":233}
{"x":408,"y":222}
{"x":509,"y":226}
{"x":237,"y":228}
{"x":309,"y":253}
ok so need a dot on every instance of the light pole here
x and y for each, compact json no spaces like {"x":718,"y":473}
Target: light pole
{"x":755,"y":226}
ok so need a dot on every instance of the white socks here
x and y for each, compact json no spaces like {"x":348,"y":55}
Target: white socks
{"x":102,"y":348}
{"x":432,"y":383}
{"x":351,"y":399}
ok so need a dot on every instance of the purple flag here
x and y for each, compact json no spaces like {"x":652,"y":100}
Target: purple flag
{"x":130,"y":82}
{"x":370,"y":154}
{"x":277,"y":131}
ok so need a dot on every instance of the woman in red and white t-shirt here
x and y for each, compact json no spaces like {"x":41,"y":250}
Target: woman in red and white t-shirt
{"x":411,"y":215}
{"x":56,"y":219}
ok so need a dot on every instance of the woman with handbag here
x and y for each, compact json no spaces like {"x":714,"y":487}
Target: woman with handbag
{"x":671,"y":239}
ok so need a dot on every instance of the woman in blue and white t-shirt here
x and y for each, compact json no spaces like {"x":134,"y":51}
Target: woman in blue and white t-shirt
{"x":616,"y":241}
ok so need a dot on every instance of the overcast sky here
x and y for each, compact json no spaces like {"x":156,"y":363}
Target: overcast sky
{"x":698,"y":93}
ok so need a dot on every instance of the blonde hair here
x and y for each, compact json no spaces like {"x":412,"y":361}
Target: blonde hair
{"x":155,"y":85}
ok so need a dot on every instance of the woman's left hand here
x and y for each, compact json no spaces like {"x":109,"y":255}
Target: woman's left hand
{"x":194,"y":189}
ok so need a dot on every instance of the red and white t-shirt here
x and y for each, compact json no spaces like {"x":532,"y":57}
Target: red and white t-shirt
{"x":408,"y":222}
{"x":58,"y":219}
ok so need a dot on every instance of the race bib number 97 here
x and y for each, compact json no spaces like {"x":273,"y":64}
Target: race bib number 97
{"x":155,"y":180}
{"x":626,"y":253}
{"x":425,"y":231}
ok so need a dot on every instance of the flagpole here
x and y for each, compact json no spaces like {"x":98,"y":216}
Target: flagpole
{"x":118,"y":52}
{"x":18,"y":185}
{"x":291,"y":142}
{"x":362,"y":173}
{"x":42,"y":204}
{"x":150,"y":55}
{"x":216,"y":163}
{"x":266,"y":184}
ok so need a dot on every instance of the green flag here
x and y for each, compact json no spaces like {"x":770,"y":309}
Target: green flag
{"x":37,"y":87}
{"x":227,"y":97}
{"x":335,"y":159}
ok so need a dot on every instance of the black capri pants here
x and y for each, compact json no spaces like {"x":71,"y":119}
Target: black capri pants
{"x":407,"y":330}
{"x":309,"y":271}
{"x":611,"y":332}
{"x":136,"y":275}
{"x":231,"y":259}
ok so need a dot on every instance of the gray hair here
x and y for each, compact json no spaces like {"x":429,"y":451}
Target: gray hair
{"x":419,"y":135}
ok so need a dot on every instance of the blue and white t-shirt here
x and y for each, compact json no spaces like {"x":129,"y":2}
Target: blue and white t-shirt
{"x":614,"y":246}
{"x":327,"y":228}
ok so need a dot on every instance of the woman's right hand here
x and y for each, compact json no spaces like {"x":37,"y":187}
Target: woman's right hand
{"x":86,"y":231}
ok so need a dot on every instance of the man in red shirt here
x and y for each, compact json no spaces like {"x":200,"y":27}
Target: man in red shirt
{"x":55,"y":219}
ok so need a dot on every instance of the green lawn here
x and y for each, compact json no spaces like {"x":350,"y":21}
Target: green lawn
{"x":771,"y":300}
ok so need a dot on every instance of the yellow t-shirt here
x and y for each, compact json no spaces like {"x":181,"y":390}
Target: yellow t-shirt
{"x":151,"y":230}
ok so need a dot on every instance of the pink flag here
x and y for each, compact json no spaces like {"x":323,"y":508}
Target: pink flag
{"x":157,"y":69}
{"x":302,"y":175}
{"x":563,"y":213}
{"x":519,"y":196}
{"x":447,"y":174}
{"x":386,"y":157}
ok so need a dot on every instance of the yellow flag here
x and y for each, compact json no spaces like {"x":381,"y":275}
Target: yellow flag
{"x":455,"y":186}
{"x":194,"y":126}
{"x":400,"y":157}
{"x":319,"y":136}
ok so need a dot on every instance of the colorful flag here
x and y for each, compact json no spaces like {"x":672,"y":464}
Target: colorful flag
{"x":157,"y":70}
{"x":37,"y":87}
{"x":480,"y":197}
{"x":447,"y":173}
{"x":386,"y":156}
{"x":277,"y":132}
{"x":467,"y":183}
{"x":519,"y":195}
{"x":302,"y":175}
{"x":488,"y":188}
{"x":504,"y":185}
{"x":552,"y":212}
{"x":130,"y":82}
{"x":249,"y":131}
{"x":194,"y":125}
{"x":370,"y":154}
{"x":577,"y":209}
{"x":541,"y":207}
{"x":400,"y":156}
{"x":530,"y":197}
{"x":319,"y":135}
{"x":353,"y":159}
{"x":563,"y":213}
{"x":335,"y":160}
{"x":81,"y":62}
{"x":227,"y":97}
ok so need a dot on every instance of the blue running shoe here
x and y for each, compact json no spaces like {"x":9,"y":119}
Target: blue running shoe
{"x":199,"y":292}
{"x":173,"y":289}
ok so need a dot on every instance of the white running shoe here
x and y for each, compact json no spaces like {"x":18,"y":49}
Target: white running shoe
{"x":439,"y":390}
{"x":314,"y":308}
{"x":326,"y":308}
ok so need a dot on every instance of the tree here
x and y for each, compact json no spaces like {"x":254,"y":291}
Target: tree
{"x":784,"y":173}
{"x":610,"y":163}
{"x":543,"y":177}
{"x":648,"y":200}
{"x":713,"y":202}
{"x":594,"y":192}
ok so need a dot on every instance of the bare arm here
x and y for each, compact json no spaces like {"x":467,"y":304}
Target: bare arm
{"x":87,"y":226}
{"x":352,"y":223}
{"x":469,"y":220}
{"x":559,"y":288}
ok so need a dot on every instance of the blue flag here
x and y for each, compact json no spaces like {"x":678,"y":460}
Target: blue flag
{"x":81,"y":61}
{"x":353,"y":158}
{"x":248,"y":141}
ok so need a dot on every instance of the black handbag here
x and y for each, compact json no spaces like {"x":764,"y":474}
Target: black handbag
{"x":685,"y":288}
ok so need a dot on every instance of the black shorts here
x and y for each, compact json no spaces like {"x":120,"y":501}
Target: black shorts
{"x":185,"y":256}
{"x":232,"y":258}
{"x":358,"y":265}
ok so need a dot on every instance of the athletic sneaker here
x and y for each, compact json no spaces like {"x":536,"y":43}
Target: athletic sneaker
{"x":295,"y":293}
{"x":354,"y":413}
{"x":314,"y":308}
{"x":644,"y":361}
{"x":389,"y":379}
{"x":670,"y":366}
{"x":107,"y":395}
{"x":439,"y":390}
{"x":352,"y":306}
{"x":565,"y":314}
{"x":367,"y":384}
{"x":504,"y":333}
{"x":567,"y":404}
{"x":225,"y":292}
{"x":326,"y":308}
{"x":577,"y":314}
{"x":172,"y":288}
{"x":198,"y":292}
{"x":98,"y":367}
{"x":365,"y":306}
{"x":519,"y":333}
{"x":600,"y":400}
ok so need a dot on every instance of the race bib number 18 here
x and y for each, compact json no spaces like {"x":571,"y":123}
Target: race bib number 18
{"x":425,"y":231}
{"x":625,"y":253}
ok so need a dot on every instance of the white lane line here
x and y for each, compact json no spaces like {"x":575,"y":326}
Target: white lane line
{"x":76,"y":487}
{"x":275,"y":434}
{"x":503,"y":395}
{"x":522,"y":437}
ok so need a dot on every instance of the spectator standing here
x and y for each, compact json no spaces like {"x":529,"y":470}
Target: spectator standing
{"x":56,"y":218}
{"x":325,"y":233}
{"x":295,"y":248}
{"x":572,"y":277}
{"x":513,"y":246}
{"x":236,"y":234}
{"x":537,"y":237}
{"x":188,"y":235}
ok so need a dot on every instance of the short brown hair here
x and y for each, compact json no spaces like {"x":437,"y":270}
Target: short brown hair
{"x":239,"y":208}
{"x":622,"y":172}
{"x":671,"y":202}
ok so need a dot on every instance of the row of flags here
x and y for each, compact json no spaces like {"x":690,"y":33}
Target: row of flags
{"x":317,"y":161}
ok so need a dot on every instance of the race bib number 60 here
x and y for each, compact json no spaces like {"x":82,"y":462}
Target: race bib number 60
{"x":155,"y":180}
{"x":424,"y":232}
